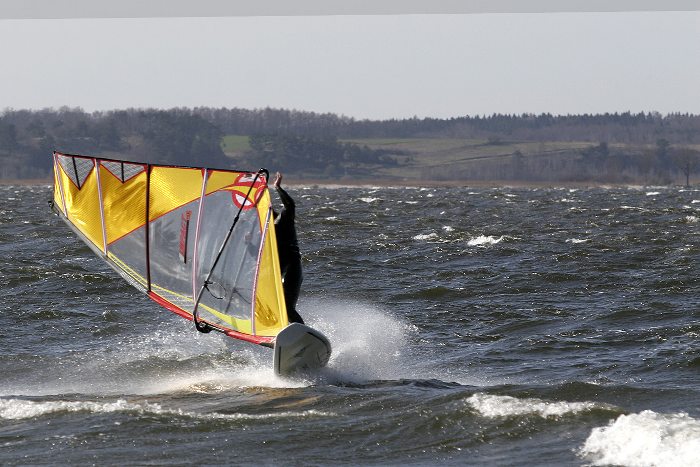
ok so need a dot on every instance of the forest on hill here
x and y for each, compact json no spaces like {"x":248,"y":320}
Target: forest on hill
{"x":618,"y":147}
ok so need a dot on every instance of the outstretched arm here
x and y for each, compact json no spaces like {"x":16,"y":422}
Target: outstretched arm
{"x":284,"y":196}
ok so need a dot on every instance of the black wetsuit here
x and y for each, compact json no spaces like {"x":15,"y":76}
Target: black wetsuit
{"x":290,"y":257}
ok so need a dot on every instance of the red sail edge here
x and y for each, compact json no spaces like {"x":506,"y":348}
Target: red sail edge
{"x":260,"y":340}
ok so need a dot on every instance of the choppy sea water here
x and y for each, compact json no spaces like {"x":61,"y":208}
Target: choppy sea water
{"x":478,"y":326}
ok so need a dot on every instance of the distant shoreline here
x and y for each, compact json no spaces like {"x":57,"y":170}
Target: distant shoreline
{"x":26,"y":181}
{"x":291,"y":181}
{"x":450,"y":183}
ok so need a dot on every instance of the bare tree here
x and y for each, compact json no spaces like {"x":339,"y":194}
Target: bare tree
{"x":687,"y":160}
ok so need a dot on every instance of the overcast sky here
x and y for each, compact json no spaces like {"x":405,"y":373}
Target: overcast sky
{"x":361,"y":66}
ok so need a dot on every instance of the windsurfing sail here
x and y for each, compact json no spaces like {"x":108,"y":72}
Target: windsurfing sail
{"x":199,"y":242}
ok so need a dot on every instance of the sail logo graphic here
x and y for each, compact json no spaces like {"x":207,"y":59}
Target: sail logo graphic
{"x":247,"y":190}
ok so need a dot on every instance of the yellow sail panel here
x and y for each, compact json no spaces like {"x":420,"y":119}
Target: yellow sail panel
{"x":270,"y":310}
{"x":124,"y":203}
{"x":57,"y":198}
{"x":172,"y":187}
{"x":218,"y":180}
{"x":237,"y":324}
{"x":83,"y":205}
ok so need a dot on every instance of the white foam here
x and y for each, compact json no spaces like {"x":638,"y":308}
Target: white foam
{"x":691,"y":219}
{"x":18,"y":409}
{"x":653,"y":193}
{"x":368,"y":342}
{"x":448,"y":228}
{"x":176,"y":342}
{"x":484,"y":240}
{"x":135,"y":365}
{"x":371,"y":343}
{"x":369,"y":200}
{"x":645,"y":439}
{"x":430,"y":236}
{"x":576,"y":240}
{"x":506,"y":406}
{"x":255,"y":371}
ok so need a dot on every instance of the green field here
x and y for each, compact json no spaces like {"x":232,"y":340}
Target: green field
{"x":418,"y":156}
{"x":233,"y":145}
{"x":454,"y":159}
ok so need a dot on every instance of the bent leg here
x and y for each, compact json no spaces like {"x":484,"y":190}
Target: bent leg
{"x":293,"y":278}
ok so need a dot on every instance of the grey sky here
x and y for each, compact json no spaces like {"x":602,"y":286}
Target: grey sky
{"x":210,"y":8}
{"x":361,"y":66}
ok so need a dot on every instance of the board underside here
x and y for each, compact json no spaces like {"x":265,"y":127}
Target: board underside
{"x":300,"y":349}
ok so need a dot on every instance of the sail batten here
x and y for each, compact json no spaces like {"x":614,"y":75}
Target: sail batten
{"x":101,"y":204}
{"x":161,"y":227}
{"x":205,"y":180}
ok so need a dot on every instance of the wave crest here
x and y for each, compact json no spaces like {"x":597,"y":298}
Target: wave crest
{"x":484,"y":240}
{"x":18,"y":409}
{"x":493,"y":406}
{"x":645,"y":439}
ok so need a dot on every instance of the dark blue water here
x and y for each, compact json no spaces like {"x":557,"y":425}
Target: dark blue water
{"x":504,"y":326}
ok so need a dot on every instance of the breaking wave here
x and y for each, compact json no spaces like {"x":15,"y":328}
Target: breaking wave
{"x":645,"y":439}
{"x":482,"y":240}
{"x":430,"y":236}
{"x":18,"y":409}
{"x":493,"y":406}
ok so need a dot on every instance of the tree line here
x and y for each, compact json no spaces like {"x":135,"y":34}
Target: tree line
{"x":316,"y":157}
{"x":309,"y":142}
{"x":27,"y":138}
{"x":625,"y":127}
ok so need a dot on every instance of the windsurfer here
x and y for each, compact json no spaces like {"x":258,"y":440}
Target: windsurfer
{"x":290,"y":256}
